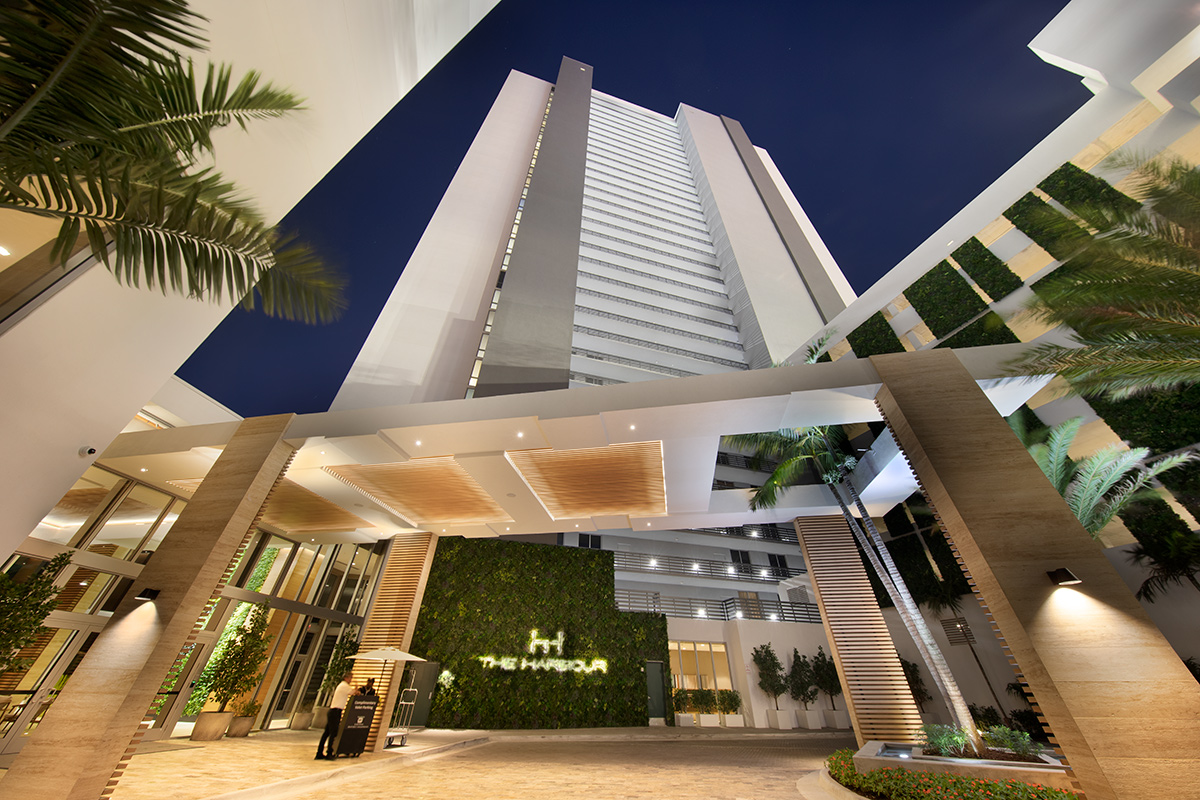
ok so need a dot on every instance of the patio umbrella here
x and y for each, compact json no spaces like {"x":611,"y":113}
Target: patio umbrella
{"x":388,"y":654}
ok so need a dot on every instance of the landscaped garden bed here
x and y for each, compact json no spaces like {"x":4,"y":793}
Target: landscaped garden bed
{"x":912,"y":782}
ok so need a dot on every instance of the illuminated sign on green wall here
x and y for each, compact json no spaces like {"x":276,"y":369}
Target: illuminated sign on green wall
{"x":513,"y":663}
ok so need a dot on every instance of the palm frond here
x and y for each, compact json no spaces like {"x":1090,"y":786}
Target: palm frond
{"x":300,"y":287}
{"x":65,"y":67}
{"x":1054,"y":455}
{"x":186,"y":115}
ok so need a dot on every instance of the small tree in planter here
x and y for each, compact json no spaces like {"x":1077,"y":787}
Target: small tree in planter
{"x":729,"y":703}
{"x":234,"y":671}
{"x":826,"y":678}
{"x":802,"y":688}
{"x":23,"y":607}
{"x":682,"y":700}
{"x":771,"y":677}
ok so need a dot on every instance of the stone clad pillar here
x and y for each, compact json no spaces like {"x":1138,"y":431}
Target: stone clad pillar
{"x":77,"y":747}
{"x":1122,"y":705}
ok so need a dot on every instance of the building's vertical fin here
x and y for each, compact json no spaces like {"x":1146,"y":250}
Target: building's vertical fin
{"x":529,"y":348}
{"x":820,"y":287}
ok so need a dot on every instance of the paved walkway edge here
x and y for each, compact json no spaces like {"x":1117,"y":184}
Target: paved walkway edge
{"x":820,"y":785}
{"x":305,"y":783}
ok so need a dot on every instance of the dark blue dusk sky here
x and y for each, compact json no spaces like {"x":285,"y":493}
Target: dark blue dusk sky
{"x":885,"y":118}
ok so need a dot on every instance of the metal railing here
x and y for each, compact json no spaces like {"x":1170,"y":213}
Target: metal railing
{"x":770,"y":531}
{"x":731,"y":608}
{"x":701,"y":568}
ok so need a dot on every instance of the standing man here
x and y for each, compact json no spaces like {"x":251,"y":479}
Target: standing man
{"x":338,"y":704}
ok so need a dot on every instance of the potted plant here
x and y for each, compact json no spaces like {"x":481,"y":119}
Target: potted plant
{"x":682,"y":699}
{"x":245,"y":709}
{"x":729,"y":702}
{"x":339,"y":664}
{"x":706,"y":703}
{"x":23,"y":607}
{"x":826,"y":679}
{"x":234,"y":671}
{"x":802,"y":689}
{"x":772,"y":681}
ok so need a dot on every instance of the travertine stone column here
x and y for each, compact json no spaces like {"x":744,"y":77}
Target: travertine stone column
{"x":874,"y":688}
{"x":75,"y":749}
{"x":1122,"y":706}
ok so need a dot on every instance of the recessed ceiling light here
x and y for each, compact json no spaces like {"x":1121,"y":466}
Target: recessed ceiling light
{"x":520,"y":434}
{"x":4,"y":251}
{"x":508,"y":529}
{"x":647,"y":524}
{"x":83,"y":583}
{"x":633,"y":427}
{"x":144,"y":469}
{"x":418,"y":442}
{"x":576,"y":525}
{"x":322,"y":452}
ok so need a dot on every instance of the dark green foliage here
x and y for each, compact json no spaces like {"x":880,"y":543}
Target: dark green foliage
{"x":903,"y":784}
{"x":729,"y":701}
{"x":1037,"y":219}
{"x":683,"y":700}
{"x":485,"y":595}
{"x":1151,"y":520}
{"x":339,"y":660}
{"x":874,"y":337}
{"x":234,"y":670}
{"x":825,"y":676}
{"x":1163,"y":421}
{"x":989,"y":329}
{"x":897,"y":522}
{"x":801,"y":679}
{"x":916,"y":684}
{"x":771,"y":678}
{"x":986,"y":269}
{"x":984,"y":716}
{"x":824,"y":357}
{"x":705,"y":700}
{"x":944,"y":299}
{"x":1084,"y":193}
{"x":23,"y":607}
{"x":1026,"y":719}
{"x":944,"y":740}
{"x":1018,"y":741}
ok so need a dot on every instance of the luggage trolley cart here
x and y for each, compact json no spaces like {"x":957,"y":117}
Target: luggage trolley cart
{"x":402,"y":719}
{"x":408,"y":695}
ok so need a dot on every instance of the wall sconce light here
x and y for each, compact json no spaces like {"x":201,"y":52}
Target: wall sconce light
{"x":146,"y":594}
{"x":1063,"y":577}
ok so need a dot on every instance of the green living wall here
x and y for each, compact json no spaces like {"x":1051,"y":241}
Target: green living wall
{"x":485,"y":596}
{"x":874,"y":337}
{"x":944,"y":299}
{"x":986,"y":269}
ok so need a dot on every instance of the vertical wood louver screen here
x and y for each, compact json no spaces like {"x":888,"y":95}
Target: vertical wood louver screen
{"x":876,"y":693}
{"x":392,"y":619}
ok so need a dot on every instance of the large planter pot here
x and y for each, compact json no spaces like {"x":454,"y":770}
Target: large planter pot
{"x":837,"y":718}
{"x":320,"y":714}
{"x":710,"y":720}
{"x":734,"y":721}
{"x":810,"y":718}
{"x":301,"y":721}
{"x":684,"y":720}
{"x":211,"y":725}
{"x":240,"y":727}
{"x":783,"y":720}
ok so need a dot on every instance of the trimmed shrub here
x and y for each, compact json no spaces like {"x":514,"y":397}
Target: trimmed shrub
{"x":1037,"y":219}
{"x":943,"y":740}
{"x":729,"y":701}
{"x":986,"y":269}
{"x":874,"y":337}
{"x":482,"y":599}
{"x":902,"y":784}
{"x":988,"y":329}
{"x":1004,"y":738}
{"x":1084,"y":193}
{"x":944,"y":299}
{"x":705,"y":700}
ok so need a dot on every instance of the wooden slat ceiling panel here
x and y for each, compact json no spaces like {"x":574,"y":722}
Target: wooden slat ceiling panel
{"x":624,"y":479}
{"x":425,"y":490}
{"x":294,"y":509}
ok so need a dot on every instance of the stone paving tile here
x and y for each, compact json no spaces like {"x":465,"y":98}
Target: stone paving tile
{"x":738,"y":769}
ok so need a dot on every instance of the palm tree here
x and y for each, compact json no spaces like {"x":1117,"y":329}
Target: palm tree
{"x":1098,"y":487}
{"x":102,"y":125}
{"x":1131,"y":294}
{"x":823,"y":447}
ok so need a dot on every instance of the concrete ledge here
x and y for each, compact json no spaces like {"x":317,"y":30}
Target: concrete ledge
{"x":1046,"y":774}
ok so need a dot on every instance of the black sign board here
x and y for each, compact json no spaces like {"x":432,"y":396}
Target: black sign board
{"x":356,"y":725}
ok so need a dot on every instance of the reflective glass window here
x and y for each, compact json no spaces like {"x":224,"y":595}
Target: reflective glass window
{"x":130,"y":523}
{"x":85,"y":500}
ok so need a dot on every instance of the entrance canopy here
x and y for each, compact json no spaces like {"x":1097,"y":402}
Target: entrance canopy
{"x":639,"y":456}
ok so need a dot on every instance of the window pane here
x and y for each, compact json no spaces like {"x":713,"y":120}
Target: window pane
{"x":301,"y":575}
{"x":128,"y":525}
{"x":161,"y":531}
{"x":86,"y":498}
